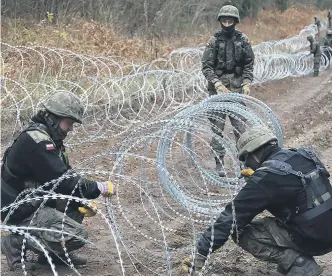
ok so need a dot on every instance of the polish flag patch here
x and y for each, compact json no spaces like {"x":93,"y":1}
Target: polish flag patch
{"x":50,"y":147}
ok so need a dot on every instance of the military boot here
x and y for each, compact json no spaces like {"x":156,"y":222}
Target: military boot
{"x":11,"y":246}
{"x":304,"y":266}
{"x":219,"y":167}
{"x":62,"y":259}
{"x":316,"y":74}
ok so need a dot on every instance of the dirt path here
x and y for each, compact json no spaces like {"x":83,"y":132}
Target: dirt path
{"x":304,"y":107}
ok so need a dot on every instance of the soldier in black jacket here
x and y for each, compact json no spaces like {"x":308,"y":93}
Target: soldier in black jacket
{"x":293,"y":185}
{"x":37,"y":157}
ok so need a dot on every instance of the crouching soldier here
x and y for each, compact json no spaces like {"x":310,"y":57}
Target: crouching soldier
{"x":36,"y":157}
{"x":293,"y":185}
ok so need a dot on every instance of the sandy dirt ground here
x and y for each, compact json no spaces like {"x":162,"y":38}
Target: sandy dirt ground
{"x":304,"y":108}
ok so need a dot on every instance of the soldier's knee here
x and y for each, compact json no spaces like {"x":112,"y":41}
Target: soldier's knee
{"x":79,"y":240}
{"x":83,"y":233}
{"x":212,"y":92}
{"x":253,"y":247}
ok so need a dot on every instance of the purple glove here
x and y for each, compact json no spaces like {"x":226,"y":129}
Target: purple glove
{"x":106,"y":188}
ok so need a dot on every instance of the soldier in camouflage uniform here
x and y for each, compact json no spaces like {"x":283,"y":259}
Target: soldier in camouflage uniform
{"x":38,"y":156}
{"x":329,"y":19}
{"x":227,"y":64}
{"x":328,"y":38}
{"x":316,"y":51}
{"x":328,"y":46}
{"x":319,"y":25}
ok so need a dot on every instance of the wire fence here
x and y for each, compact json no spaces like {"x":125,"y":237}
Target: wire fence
{"x":157,"y":115}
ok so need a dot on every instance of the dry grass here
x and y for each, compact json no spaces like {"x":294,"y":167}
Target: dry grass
{"x":273,"y":25}
{"x":92,"y":38}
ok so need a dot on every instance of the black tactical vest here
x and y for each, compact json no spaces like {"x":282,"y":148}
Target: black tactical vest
{"x":318,"y":188}
{"x":228,"y":53}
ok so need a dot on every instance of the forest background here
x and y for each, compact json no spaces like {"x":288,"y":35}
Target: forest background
{"x":143,"y":30}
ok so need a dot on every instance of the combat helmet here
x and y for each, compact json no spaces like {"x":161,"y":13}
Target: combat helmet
{"x":65,"y":104}
{"x":310,"y":38}
{"x":252,"y":139}
{"x":231,"y":11}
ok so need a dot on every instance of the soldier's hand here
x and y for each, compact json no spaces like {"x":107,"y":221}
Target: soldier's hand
{"x":106,"y":188}
{"x":246,"y":89}
{"x":220,"y":88}
{"x":88,"y":211}
{"x":194,"y":268}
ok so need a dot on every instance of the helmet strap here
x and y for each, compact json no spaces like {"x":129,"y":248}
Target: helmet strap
{"x":53,"y":122}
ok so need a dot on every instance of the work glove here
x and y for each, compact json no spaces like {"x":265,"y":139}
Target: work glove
{"x":246,"y":89}
{"x":88,"y":211}
{"x":106,"y":188}
{"x":220,"y":88}
{"x":247,"y":172}
{"x":194,"y":268}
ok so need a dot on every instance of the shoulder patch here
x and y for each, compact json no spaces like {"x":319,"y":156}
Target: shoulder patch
{"x":38,"y":136}
{"x":50,"y":146}
{"x":245,"y":38}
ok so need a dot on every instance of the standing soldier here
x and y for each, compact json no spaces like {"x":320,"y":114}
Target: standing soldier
{"x":316,"y":51}
{"x":329,"y":19}
{"x":227,"y":64}
{"x":318,"y":24}
{"x":328,"y":46}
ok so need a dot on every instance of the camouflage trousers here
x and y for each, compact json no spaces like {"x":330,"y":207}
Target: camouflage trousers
{"x":316,"y":65}
{"x":66,"y":229}
{"x":328,"y":55}
{"x":268,"y":240}
{"x":218,"y":124}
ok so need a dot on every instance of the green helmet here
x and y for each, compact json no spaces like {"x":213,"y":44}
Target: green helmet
{"x":252,"y":139}
{"x":230,"y":11}
{"x":65,"y":104}
{"x":310,"y":38}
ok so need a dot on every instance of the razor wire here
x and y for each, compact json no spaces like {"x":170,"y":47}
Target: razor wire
{"x":183,"y":193}
{"x":167,"y":190}
{"x":117,"y":93}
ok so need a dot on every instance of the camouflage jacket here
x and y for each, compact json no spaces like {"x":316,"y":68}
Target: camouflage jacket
{"x":328,"y":41}
{"x":228,"y":55}
{"x":315,"y":49}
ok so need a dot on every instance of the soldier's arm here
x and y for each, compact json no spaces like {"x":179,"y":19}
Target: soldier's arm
{"x":248,"y":61}
{"x":313,"y":48}
{"x":208,"y":61}
{"x":45,"y":165}
{"x":249,"y":202}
